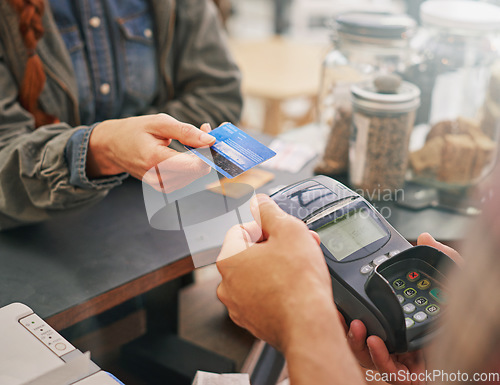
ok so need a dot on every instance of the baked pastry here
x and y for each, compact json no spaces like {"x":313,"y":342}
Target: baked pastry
{"x":455,"y":152}
{"x":428,"y":158}
{"x":457,"y":159}
{"x":441,"y":129}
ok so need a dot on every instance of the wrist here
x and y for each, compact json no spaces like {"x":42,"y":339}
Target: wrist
{"x":100,"y":160}
{"x":317,"y":351}
{"x":319,"y":320}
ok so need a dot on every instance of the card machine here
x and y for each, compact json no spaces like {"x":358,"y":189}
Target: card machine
{"x":397,"y":290}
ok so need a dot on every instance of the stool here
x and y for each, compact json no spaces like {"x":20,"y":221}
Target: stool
{"x":276,"y":70}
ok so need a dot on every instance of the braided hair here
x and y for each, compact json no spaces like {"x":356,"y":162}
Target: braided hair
{"x":31,"y":28}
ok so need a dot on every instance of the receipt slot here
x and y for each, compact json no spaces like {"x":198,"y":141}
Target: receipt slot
{"x":397,"y":290}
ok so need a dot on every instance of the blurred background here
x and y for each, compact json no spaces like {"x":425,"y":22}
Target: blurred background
{"x":269,"y":66}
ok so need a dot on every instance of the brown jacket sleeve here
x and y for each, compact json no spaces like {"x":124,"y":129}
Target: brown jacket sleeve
{"x":205,"y":81}
{"x":34,"y":176}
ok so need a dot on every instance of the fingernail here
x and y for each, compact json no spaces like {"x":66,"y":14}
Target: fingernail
{"x":207,"y":138}
{"x":257,"y":200}
{"x":207,"y":125}
{"x":254,"y":204}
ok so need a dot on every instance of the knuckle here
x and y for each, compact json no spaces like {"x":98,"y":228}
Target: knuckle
{"x":220,"y":293}
{"x":236,"y":318}
{"x":151,"y":161}
{"x":186,"y":131}
{"x":220,"y":267}
{"x":157,"y":120}
{"x":234,"y":230}
{"x":161,"y":120}
{"x":162,"y":117}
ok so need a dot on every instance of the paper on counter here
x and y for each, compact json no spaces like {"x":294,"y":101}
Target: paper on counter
{"x":238,"y":186}
{"x":291,"y":157}
{"x":206,"y":378}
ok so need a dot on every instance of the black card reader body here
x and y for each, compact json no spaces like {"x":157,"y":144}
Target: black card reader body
{"x":378,"y":277}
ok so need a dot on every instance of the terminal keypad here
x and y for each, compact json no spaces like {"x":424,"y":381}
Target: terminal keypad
{"x":419,"y":297}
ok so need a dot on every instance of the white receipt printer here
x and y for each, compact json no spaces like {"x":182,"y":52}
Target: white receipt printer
{"x":33,"y":353}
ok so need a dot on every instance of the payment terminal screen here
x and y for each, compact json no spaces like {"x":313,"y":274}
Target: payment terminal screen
{"x":349,"y":233}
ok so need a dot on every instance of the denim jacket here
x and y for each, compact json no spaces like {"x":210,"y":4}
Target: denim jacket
{"x":111,"y":45}
{"x":198,"y":82}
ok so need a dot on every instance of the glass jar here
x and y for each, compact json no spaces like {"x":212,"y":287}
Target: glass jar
{"x":365,"y":43}
{"x":379,"y":145}
{"x":455,"y":145}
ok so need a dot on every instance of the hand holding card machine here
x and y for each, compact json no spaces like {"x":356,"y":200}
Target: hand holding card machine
{"x":397,"y":290}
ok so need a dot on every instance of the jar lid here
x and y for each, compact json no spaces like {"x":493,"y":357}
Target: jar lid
{"x":406,"y":98}
{"x":461,"y":14}
{"x":376,"y":24}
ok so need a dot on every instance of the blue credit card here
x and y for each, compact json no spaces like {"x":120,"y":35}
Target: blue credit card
{"x":233,"y":152}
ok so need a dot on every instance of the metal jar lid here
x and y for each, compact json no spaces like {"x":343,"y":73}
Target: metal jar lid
{"x":405,"y":98}
{"x":461,"y":14}
{"x":379,"y":25}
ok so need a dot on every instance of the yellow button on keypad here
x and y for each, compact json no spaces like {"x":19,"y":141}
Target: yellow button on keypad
{"x":424,"y":284}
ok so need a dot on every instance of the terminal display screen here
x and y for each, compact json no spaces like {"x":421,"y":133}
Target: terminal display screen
{"x":349,"y":233}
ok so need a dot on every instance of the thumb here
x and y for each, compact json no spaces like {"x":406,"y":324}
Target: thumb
{"x":168,"y":127}
{"x":428,"y":240}
{"x":267,"y":214}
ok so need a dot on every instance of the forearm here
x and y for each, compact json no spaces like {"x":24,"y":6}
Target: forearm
{"x":318,"y":353}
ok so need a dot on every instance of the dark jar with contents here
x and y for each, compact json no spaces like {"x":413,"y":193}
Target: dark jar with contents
{"x":365,"y":44}
{"x":382,"y":124}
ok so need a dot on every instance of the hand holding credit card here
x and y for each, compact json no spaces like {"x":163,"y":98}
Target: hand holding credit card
{"x":233,"y":152}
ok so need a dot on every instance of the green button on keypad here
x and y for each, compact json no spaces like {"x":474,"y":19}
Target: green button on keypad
{"x":410,"y":292}
{"x":437,"y":294}
{"x":399,"y":284}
